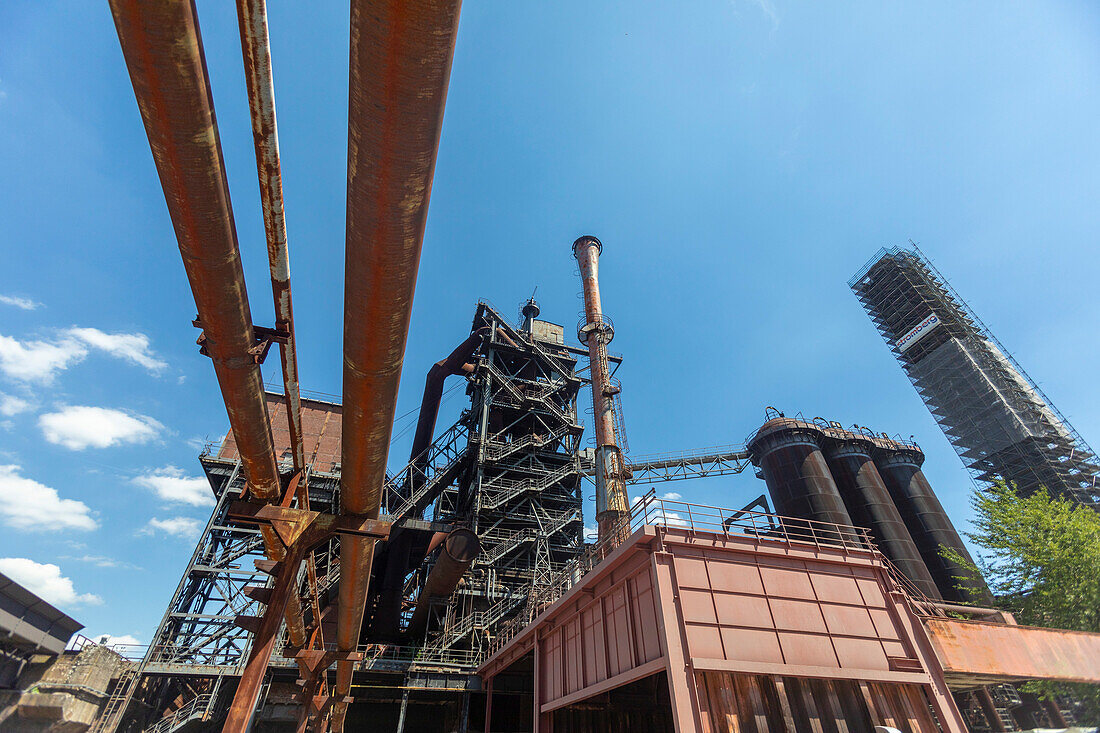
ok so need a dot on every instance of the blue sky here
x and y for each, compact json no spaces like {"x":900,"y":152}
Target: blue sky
{"x":739,"y":160}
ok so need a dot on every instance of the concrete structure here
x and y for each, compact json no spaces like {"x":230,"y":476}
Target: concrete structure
{"x":29,"y":628}
{"x":66,"y":692}
{"x":1000,"y":422}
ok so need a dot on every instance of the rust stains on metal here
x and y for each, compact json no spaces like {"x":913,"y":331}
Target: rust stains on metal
{"x":163,"y":51}
{"x":596,"y":332}
{"x":252,"y":17}
{"x":164,"y":56}
{"x":401,"y":54}
{"x":979,"y":652}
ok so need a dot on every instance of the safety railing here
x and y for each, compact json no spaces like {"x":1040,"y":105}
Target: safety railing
{"x":197,"y":708}
{"x":677,"y":516}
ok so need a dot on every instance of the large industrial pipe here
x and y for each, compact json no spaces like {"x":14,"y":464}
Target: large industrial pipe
{"x":255,"y":46}
{"x":390,"y":584}
{"x":869,"y":505}
{"x":455,"y":363}
{"x":596,"y":332}
{"x":929,"y":525}
{"x":401,"y":53}
{"x":164,"y":56}
{"x":788,"y":451}
{"x":459,"y":551}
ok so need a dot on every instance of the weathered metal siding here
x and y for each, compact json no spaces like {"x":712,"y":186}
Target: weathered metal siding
{"x":751,"y":611}
{"x":610,"y":633}
{"x":735,"y":703}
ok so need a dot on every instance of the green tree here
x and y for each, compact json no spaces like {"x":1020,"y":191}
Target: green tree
{"x":1040,"y":556}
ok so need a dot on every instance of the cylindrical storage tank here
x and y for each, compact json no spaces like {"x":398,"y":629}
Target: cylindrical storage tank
{"x":788,"y":453}
{"x":928,"y":524}
{"x":869,"y":504}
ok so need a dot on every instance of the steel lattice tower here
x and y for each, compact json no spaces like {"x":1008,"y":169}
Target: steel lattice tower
{"x":1000,"y":422}
{"x":521,"y":492}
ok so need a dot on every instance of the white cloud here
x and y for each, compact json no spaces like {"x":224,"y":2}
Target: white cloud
{"x":672,"y":496}
{"x":655,"y":512}
{"x":113,"y":640}
{"x":14,"y":300}
{"x":46,"y":581}
{"x":591,"y":532}
{"x":41,"y":361}
{"x":38,"y":361}
{"x":79,"y":426}
{"x":172,"y":484}
{"x":102,"y":561}
{"x":132,"y":347}
{"x":11,"y":405}
{"x":175,"y":526}
{"x":27,"y":504}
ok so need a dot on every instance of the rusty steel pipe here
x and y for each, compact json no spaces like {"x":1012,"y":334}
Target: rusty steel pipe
{"x":596,"y":332}
{"x":256,"y":49}
{"x":401,"y":52}
{"x":164,"y":56}
{"x":459,"y":551}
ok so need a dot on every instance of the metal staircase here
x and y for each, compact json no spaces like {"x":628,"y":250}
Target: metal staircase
{"x":502,"y":490}
{"x":427,"y":473}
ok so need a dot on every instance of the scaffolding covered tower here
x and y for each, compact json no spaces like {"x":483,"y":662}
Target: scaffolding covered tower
{"x":1000,"y":422}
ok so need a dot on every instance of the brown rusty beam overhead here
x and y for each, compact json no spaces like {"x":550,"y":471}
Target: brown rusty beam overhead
{"x":165,"y":59}
{"x":401,"y":52}
{"x":164,"y":55}
{"x":255,"y":46}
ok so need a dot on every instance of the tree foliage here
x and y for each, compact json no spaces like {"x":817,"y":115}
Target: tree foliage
{"x":1040,"y":556}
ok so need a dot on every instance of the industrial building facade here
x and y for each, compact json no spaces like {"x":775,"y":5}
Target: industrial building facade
{"x":999,"y":421}
{"x":329,"y":594}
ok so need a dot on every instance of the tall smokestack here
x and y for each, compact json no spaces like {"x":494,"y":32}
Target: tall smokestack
{"x":597,"y":331}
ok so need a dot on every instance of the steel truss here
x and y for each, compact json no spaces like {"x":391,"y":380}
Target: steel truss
{"x":521,"y":489}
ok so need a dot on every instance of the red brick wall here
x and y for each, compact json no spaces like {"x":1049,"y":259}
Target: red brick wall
{"x":321,"y":423}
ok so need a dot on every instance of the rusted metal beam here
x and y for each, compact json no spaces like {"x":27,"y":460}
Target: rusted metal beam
{"x":164,"y":56}
{"x":401,"y":52}
{"x":163,"y":50}
{"x":256,"y":49}
{"x":979,"y":652}
{"x":263,"y":643}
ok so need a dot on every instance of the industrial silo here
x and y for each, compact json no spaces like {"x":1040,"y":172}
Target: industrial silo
{"x":931,"y":529}
{"x":849,"y":456}
{"x":788,"y":453}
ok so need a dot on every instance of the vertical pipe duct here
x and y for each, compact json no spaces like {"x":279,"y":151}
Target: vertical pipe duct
{"x":929,"y":524}
{"x":788,"y":452}
{"x":164,"y":56}
{"x":869,"y":504}
{"x":401,"y":52}
{"x":597,"y":331}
